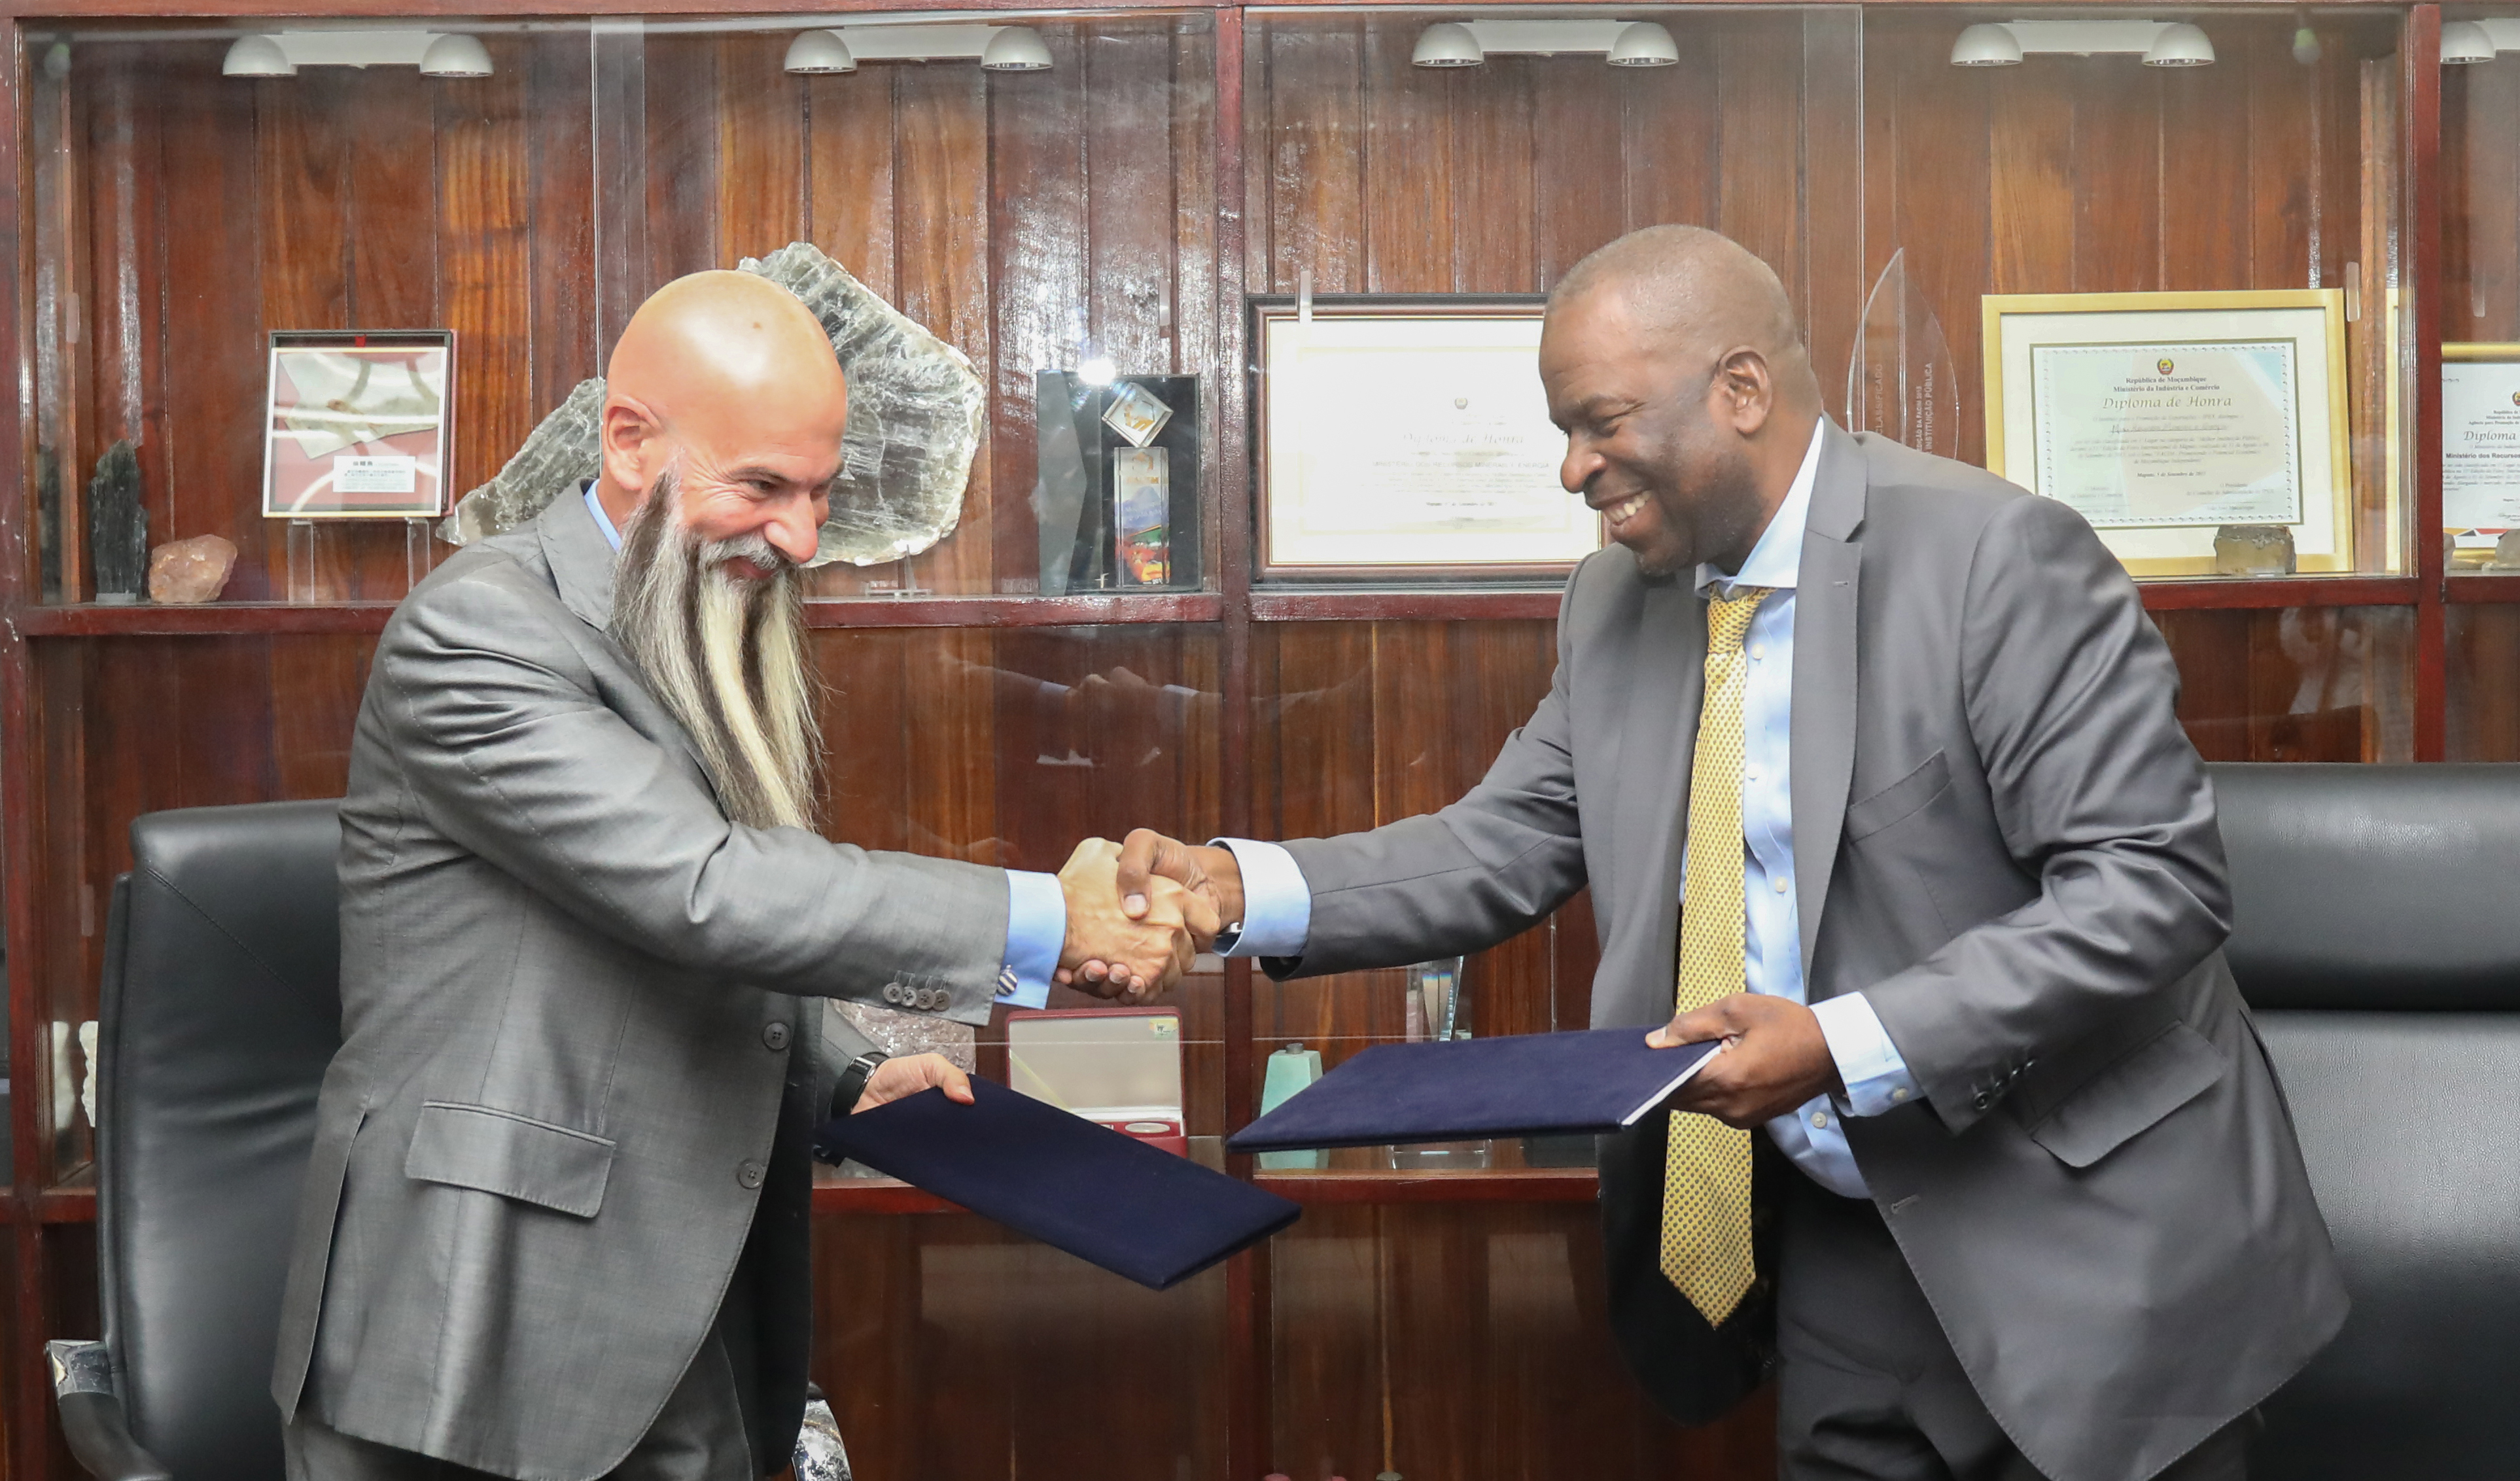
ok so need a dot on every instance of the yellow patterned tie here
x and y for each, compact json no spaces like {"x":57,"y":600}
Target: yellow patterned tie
{"x":1706,"y":1176}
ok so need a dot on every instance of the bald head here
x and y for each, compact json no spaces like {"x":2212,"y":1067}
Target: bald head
{"x":726,"y":381}
{"x":1672,"y":364}
{"x":1698,"y":292}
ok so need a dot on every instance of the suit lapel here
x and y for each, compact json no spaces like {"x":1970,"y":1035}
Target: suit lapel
{"x":1823,"y":681}
{"x":580,"y":559}
{"x":1657,"y":740}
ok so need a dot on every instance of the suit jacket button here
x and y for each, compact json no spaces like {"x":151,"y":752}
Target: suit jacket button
{"x":930,"y":1000}
{"x":749,"y":1174}
{"x":774,"y":1036}
{"x":892,"y":992}
{"x":1983,"y":1100}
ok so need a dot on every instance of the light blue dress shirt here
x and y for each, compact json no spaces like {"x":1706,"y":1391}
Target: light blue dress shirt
{"x":1277,"y":905}
{"x":1036,"y":910}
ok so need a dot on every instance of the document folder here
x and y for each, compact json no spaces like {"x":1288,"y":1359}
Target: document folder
{"x":1102,"y":1196}
{"x":1524,"y":1085}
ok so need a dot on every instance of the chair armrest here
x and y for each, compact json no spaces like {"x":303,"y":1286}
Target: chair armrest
{"x":92,"y":1415}
{"x":820,"y":1456}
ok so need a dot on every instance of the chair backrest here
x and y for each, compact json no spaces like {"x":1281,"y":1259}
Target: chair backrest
{"x":221,"y":1007}
{"x":2376,"y":935}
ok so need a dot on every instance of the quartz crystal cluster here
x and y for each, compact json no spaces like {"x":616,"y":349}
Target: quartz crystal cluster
{"x":915,"y":421}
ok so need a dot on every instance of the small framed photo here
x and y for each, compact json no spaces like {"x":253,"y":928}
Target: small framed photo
{"x":358,"y":424}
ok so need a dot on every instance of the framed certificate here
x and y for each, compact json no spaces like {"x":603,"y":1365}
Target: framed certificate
{"x":2164,"y":416}
{"x":358,"y":424}
{"x":2480,"y":447}
{"x":1409,"y":438}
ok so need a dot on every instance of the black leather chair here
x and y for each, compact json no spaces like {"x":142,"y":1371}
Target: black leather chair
{"x":2376,"y":935}
{"x":220,"y":1010}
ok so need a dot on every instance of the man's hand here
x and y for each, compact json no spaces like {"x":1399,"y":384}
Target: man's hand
{"x":1147,"y":861}
{"x":895,"y":1079}
{"x":1774,"y":1059}
{"x":1137,"y":954}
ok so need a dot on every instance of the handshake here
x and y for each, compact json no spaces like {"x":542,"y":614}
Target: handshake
{"x":1139,"y":912}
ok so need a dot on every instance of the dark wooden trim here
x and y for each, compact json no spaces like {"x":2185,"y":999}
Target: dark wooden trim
{"x":2281,"y":592}
{"x":1433,"y":604}
{"x":63,"y":1205}
{"x":877,"y":1195}
{"x":86,"y":619}
{"x":148,"y":619}
{"x":2419,"y":217}
{"x":2483,"y":588}
{"x":1541,"y":1185}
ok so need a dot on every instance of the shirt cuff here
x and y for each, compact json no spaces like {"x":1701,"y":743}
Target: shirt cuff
{"x":1276,"y":904}
{"x":1036,"y":928}
{"x":1876,"y":1074}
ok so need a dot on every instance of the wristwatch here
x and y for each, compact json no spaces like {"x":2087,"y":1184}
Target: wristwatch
{"x":853,"y":1081}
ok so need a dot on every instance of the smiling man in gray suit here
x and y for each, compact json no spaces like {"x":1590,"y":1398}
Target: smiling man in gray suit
{"x":1871,"y":763}
{"x":554,"y":1221}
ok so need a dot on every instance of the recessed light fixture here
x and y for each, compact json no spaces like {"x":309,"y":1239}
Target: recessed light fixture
{"x":1447,"y":43}
{"x":256,"y":56}
{"x":1098,"y":372}
{"x":1016,"y":48}
{"x":1644,"y":44}
{"x":818,"y":54}
{"x":455,"y":55}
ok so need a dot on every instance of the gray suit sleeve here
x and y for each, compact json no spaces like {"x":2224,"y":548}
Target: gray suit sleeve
{"x":1460,"y":879}
{"x":2071,"y":696}
{"x":505,"y":745}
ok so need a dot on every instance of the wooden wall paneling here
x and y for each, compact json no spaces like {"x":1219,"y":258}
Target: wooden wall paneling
{"x":52,"y":958}
{"x":2117,"y":176}
{"x":1670,"y":130}
{"x":1042,"y":130}
{"x":317,"y":684}
{"x":2483,"y":698}
{"x":2480,"y":202}
{"x":1932,"y":170}
{"x":1330,"y":1414}
{"x":2287,"y":208}
{"x":2206,"y":191}
{"x":486,"y":281}
{"x":1407,"y":165}
{"x":2030,"y":187}
{"x":1315,"y":156}
{"x":2419,"y":72}
{"x":2295,"y":684}
{"x":1578,"y":172}
{"x":56,"y":125}
{"x":2371,"y":339}
{"x":1193,"y":344}
{"x":559,"y":144}
{"x":683,"y":140}
{"x":761,"y":192}
{"x":942,"y":211}
{"x":1759,"y":158}
{"x":1835,"y":218}
{"x":849,"y":145}
{"x":1493,"y":191}
{"x":306,"y":158}
{"x":127,"y":241}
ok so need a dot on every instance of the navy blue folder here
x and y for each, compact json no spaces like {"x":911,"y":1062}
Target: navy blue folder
{"x":1107,"y":1198}
{"x":1597,"y":1080}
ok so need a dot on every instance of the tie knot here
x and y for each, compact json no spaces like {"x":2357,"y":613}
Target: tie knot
{"x":1728,"y":618}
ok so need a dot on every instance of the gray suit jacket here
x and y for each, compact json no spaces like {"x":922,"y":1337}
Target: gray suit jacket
{"x":2012,"y":850}
{"x":572,"y":1001}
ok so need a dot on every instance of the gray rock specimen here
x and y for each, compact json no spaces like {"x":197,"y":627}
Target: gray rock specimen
{"x":183,"y":572}
{"x":117,"y":527}
{"x":2253,"y":550}
{"x":916,"y":407}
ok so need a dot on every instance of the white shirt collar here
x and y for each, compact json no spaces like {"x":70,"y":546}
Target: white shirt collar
{"x":1776,"y":561}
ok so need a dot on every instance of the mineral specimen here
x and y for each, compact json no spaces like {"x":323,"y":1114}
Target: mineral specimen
{"x":2253,"y":550}
{"x":187,"y":571}
{"x":117,"y":527}
{"x":915,"y":419}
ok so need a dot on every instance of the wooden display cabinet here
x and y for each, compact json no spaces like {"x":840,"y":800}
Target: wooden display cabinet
{"x":1175,"y":158}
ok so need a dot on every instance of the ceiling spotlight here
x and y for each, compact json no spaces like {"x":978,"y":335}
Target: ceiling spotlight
{"x":2464,"y":43}
{"x":818,"y":53}
{"x":1098,"y":372}
{"x":2180,"y":44}
{"x":455,"y":55}
{"x":1643,"y":44}
{"x":1015,"y":49}
{"x":1447,"y":43}
{"x":1986,"y":44}
{"x":257,"y":57}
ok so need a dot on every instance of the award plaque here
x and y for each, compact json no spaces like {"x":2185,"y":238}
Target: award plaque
{"x":1902,"y":383}
{"x":2164,"y":419}
{"x":357,"y":423}
{"x":2480,"y":449}
{"x":1408,"y":437}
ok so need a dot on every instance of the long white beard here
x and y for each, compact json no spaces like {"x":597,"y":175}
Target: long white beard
{"x":725,"y":655}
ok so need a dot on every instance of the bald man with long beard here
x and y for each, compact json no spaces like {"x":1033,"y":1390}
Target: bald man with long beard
{"x":555,"y":1223}
{"x":1872,"y":763}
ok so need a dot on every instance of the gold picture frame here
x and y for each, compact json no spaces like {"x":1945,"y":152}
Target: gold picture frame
{"x":2475,"y":544}
{"x":2303,"y":329}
